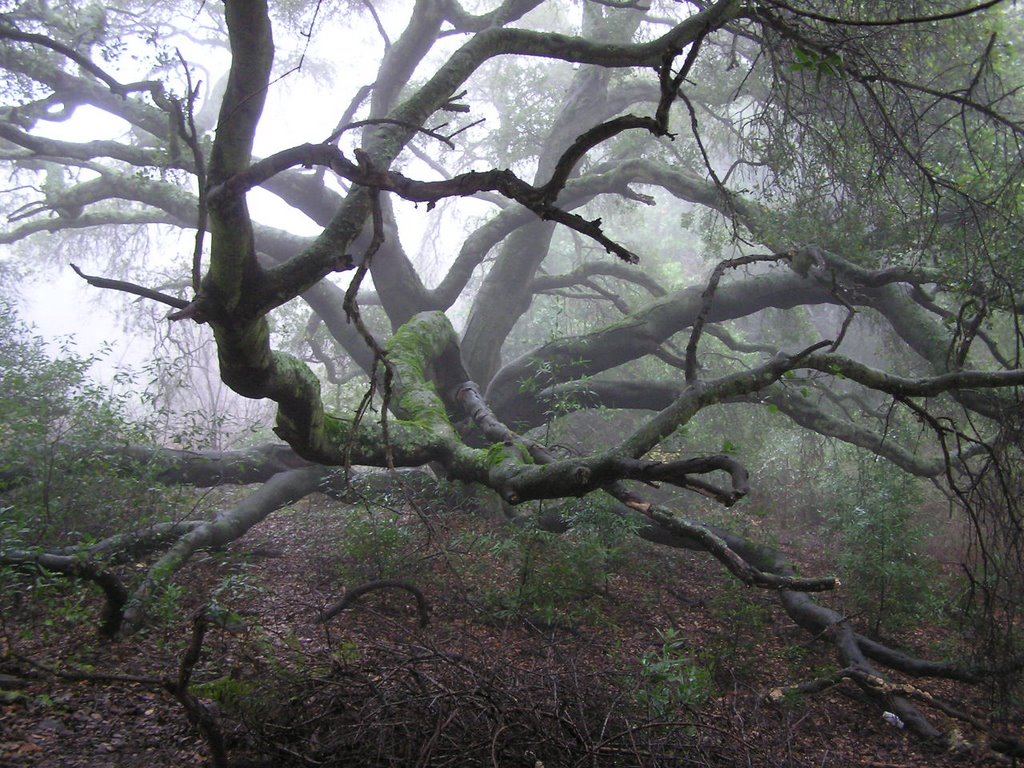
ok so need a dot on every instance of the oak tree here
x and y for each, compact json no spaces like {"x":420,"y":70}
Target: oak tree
{"x":850,"y":164}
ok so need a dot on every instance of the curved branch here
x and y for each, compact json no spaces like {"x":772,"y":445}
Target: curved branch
{"x":536,"y":199}
{"x":719,"y":548}
{"x":925,"y":386}
{"x":897,"y":21}
{"x":707,"y":297}
{"x":132,"y":288}
{"x":89,"y":150}
{"x":357,"y":592}
{"x":580,"y":276}
{"x":209,"y":468}
{"x":78,"y":568}
{"x":153,"y":87}
{"x":675,"y":472}
{"x":508,"y":11}
{"x":86,"y":221}
{"x":282,"y":489}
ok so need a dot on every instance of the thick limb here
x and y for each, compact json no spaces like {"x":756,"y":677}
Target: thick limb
{"x":284,"y":488}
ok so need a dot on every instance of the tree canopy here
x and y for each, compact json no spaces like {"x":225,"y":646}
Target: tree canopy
{"x":666,"y":208}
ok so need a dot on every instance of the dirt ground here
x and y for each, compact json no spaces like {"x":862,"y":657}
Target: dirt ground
{"x":666,"y":663}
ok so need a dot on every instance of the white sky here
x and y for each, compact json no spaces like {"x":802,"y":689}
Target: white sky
{"x":58,"y":303}
{"x":300,"y":108}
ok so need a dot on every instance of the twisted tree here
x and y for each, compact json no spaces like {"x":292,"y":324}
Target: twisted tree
{"x":852,"y":163}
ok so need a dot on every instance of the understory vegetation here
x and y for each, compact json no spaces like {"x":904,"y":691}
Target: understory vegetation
{"x":594,"y":647}
{"x":482,"y":637}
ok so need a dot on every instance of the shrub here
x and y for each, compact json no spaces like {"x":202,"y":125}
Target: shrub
{"x":555,"y":577}
{"x":888,"y":578}
{"x":60,"y":479}
{"x":672,"y":679}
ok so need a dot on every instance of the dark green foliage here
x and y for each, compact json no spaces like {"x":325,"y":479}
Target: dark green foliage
{"x":673,"y":679}
{"x":376,"y":544}
{"x":557,"y":578}
{"x":887,"y":576}
{"x":61,"y":482}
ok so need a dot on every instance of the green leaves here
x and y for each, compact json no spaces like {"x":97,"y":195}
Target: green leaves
{"x":886,"y":578}
{"x":673,"y":680}
{"x":59,"y":432}
{"x":821,"y":64}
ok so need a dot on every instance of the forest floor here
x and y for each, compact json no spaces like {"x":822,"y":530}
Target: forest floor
{"x":538,"y":653}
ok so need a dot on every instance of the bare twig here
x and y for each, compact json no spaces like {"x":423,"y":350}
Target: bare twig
{"x":706,"y":299}
{"x":197,"y":712}
{"x":132,"y":288}
{"x":356,"y":592}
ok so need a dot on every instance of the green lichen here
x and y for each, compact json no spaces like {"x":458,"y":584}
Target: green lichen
{"x":498,"y":454}
{"x":423,"y":339}
{"x":412,"y":444}
{"x":422,"y":430}
{"x":336,"y":431}
{"x":293,"y":375}
{"x":420,"y":405}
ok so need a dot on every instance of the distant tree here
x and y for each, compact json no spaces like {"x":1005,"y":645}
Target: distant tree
{"x":863,"y":157}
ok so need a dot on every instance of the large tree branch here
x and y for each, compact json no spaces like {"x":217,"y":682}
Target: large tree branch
{"x":210,"y":468}
{"x":9,"y":32}
{"x":55,"y":149}
{"x":89,"y":220}
{"x":537,"y":199}
{"x":898,"y":20}
{"x":74,"y":91}
{"x":924,"y":386}
{"x":645,"y":330}
{"x":283,"y":488}
{"x":784,"y":396}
